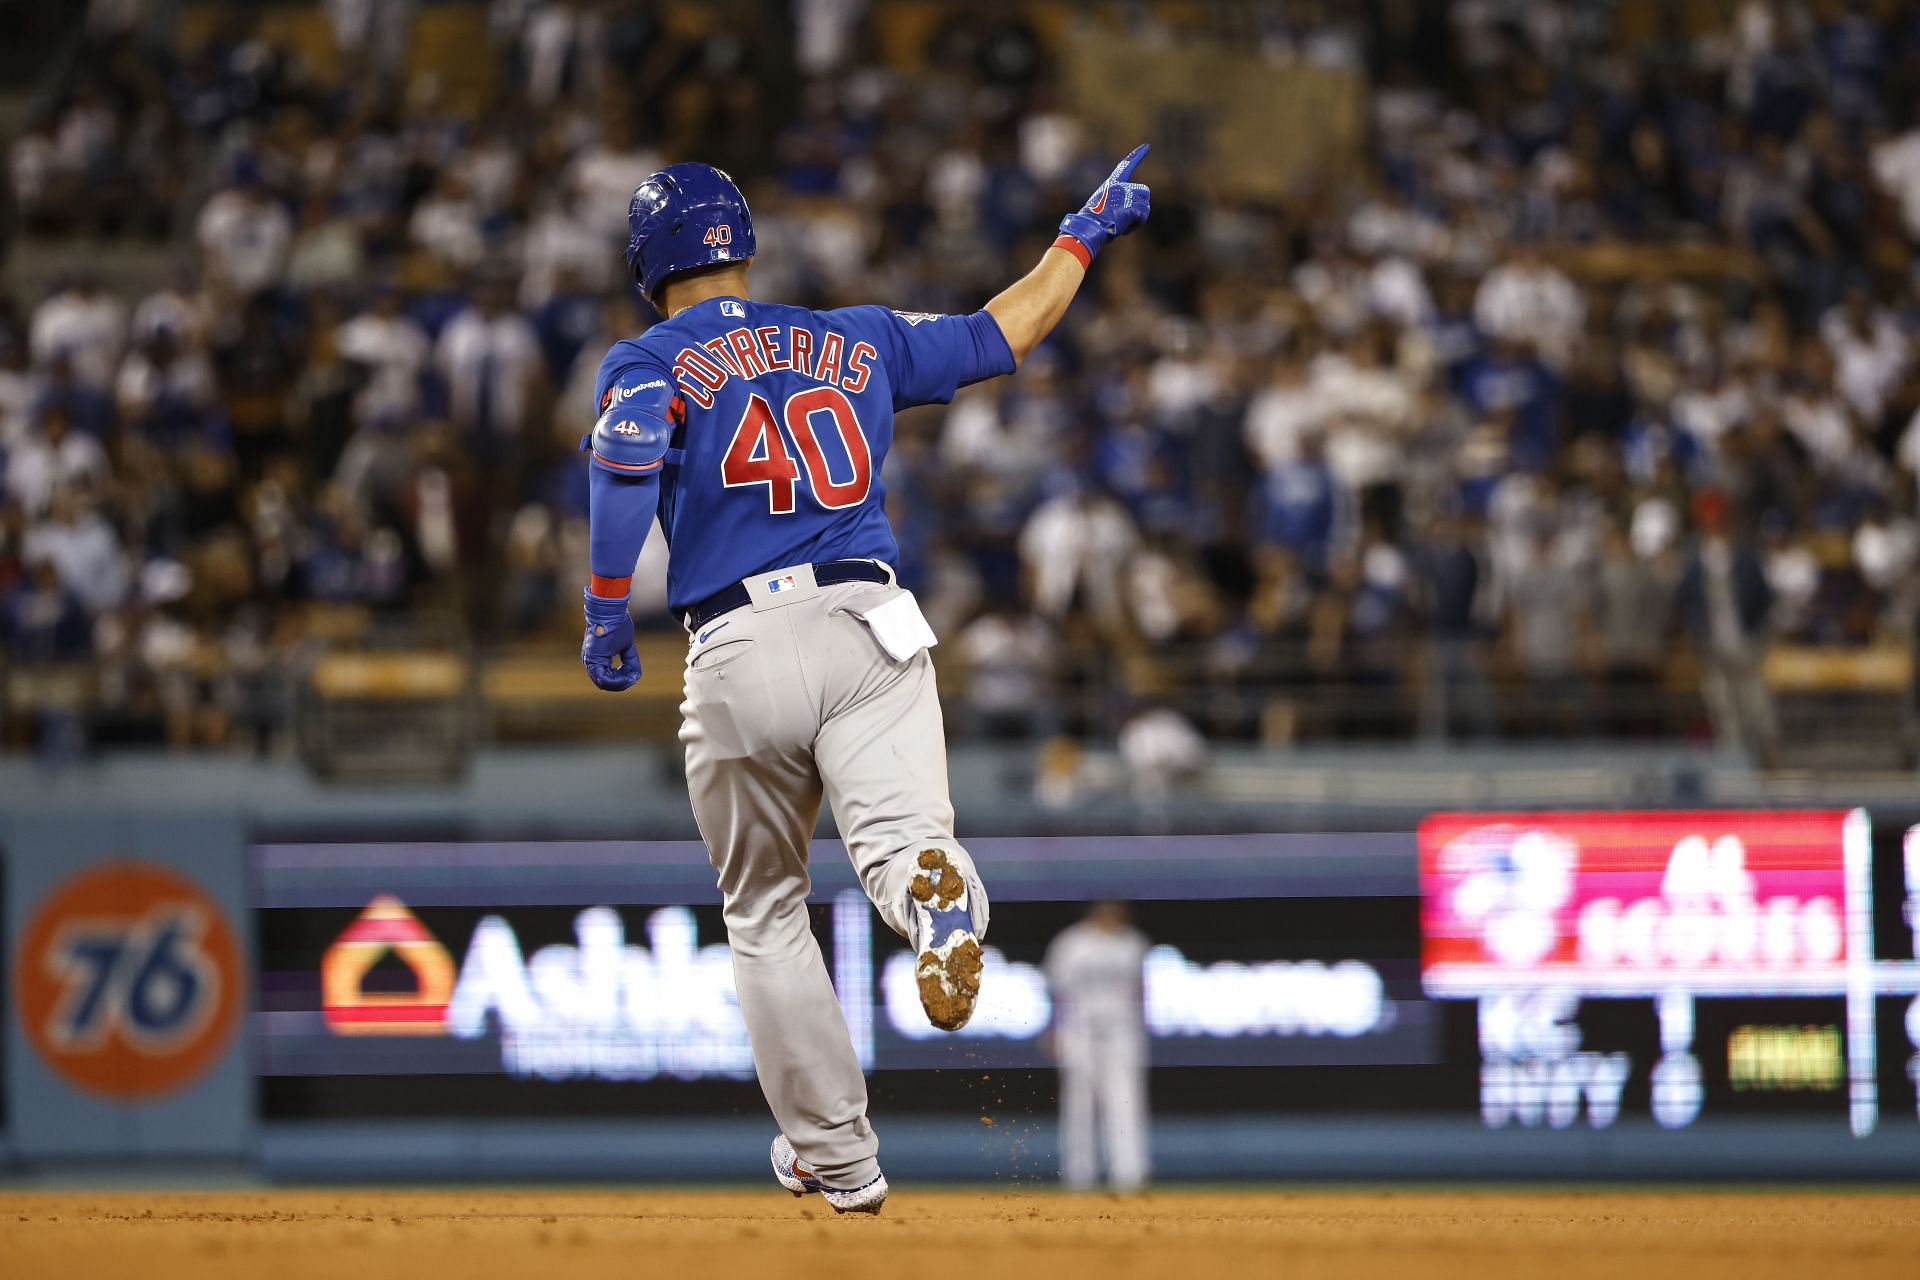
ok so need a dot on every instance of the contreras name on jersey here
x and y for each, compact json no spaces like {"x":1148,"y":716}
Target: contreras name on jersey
{"x":752,"y":353}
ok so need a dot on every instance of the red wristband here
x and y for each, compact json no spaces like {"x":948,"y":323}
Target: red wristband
{"x":1075,"y":248}
{"x":610,"y":588}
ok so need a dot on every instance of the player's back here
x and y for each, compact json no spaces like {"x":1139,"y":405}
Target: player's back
{"x":1097,"y":971}
{"x":783,"y":418}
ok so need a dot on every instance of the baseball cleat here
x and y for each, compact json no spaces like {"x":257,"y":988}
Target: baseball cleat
{"x":798,"y":1179}
{"x":943,"y":937}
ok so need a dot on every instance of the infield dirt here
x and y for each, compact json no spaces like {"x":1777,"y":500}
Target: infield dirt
{"x":363,"y":1234}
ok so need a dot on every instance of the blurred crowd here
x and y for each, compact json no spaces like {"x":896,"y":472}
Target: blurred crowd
{"x":1598,"y":377}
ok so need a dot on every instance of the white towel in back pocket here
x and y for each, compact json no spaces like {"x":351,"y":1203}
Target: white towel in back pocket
{"x":898,"y":625}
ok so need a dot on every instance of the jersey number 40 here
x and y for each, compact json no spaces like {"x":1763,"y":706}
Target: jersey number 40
{"x":758,"y":453}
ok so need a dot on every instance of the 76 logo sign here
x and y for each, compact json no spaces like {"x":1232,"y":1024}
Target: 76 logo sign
{"x":151,"y":982}
{"x":128,"y":980}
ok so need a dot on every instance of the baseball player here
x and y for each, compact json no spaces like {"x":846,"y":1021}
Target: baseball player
{"x":757,"y":434}
{"x":1094,"y":973}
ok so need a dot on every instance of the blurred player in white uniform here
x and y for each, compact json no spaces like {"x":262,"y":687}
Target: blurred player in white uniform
{"x":1094,"y":971}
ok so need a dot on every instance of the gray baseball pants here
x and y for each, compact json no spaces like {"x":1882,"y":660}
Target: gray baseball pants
{"x":782,"y":705}
{"x":1103,"y":1094}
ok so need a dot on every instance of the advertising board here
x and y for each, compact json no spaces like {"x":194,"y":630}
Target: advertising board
{"x":1723,"y":959}
{"x":565,"y":961}
{"x":1682,"y":993}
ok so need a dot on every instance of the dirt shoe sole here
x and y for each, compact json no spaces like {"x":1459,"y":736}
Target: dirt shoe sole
{"x":950,"y":961}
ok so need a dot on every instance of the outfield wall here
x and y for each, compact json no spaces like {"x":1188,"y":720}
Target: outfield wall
{"x":363,"y":989}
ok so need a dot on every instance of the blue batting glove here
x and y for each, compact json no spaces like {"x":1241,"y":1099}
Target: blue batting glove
{"x":609,"y":637}
{"x":1116,"y":208}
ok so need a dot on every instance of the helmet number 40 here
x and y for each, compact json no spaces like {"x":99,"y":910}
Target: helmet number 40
{"x":722,"y":234}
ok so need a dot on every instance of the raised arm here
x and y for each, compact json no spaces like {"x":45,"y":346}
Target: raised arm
{"x":1027,"y":310}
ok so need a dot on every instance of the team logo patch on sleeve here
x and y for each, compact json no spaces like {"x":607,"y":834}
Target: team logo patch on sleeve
{"x":916,"y":317}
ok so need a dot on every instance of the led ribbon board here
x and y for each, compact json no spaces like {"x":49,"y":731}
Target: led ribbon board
{"x":577,"y":961}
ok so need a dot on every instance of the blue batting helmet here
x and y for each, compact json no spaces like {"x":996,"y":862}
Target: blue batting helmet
{"x":684,"y":217}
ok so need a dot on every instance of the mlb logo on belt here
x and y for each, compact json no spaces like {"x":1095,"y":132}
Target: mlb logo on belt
{"x":784,"y":582}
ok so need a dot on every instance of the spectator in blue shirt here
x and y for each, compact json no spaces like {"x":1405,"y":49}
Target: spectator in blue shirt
{"x":1301,"y":507}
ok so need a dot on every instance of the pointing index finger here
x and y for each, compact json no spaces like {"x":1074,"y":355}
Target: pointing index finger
{"x":1123,"y":172}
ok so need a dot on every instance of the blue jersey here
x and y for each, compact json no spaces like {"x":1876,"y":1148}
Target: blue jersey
{"x":766,"y":427}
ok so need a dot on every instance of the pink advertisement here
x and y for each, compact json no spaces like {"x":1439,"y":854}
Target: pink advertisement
{"x":1621,"y":903}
